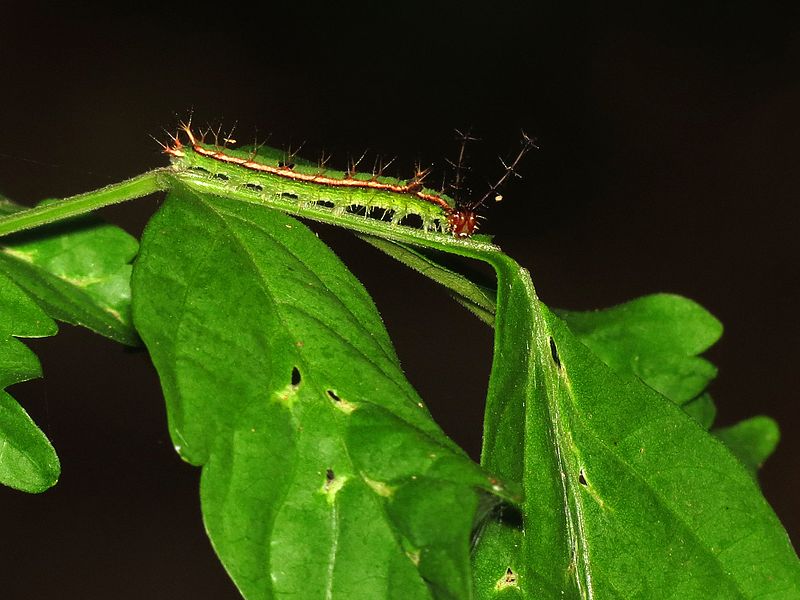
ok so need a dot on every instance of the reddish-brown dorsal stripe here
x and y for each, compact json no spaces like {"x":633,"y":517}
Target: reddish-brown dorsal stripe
{"x":414,"y":188}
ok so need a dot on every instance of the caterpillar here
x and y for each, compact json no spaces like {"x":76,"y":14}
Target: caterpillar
{"x":267,"y":173}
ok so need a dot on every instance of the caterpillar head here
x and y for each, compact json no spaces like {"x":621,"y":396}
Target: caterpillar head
{"x":463,"y":222}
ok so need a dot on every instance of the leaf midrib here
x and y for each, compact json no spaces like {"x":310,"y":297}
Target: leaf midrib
{"x":220,"y":214}
{"x":267,"y":290}
{"x":654,"y":491}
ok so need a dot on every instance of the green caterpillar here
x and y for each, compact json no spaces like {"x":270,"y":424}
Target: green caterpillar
{"x":269,"y":179}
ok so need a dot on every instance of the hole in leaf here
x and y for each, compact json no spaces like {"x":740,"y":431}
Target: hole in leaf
{"x":509,"y":579}
{"x":554,"y":353}
{"x":295,"y":377}
{"x":582,"y":478}
{"x":324,"y":203}
{"x":221,"y":176}
{"x":341,"y":404}
{"x":253,"y":187}
{"x":333,"y":484}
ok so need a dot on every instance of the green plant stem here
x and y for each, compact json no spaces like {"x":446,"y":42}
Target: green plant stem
{"x":200,"y":183}
{"x":141,"y":185}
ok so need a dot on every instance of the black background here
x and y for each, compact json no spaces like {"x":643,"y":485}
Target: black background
{"x":668,"y":163}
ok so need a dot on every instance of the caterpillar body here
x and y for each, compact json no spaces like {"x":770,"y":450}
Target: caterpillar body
{"x":266,"y":174}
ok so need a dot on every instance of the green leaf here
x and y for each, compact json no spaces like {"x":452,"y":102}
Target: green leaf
{"x":78,"y":271}
{"x":752,"y":441}
{"x":702,"y":409}
{"x":657,"y":338}
{"x":324,"y":475}
{"x":654,"y":337}
{"x":27,"y":459}
{"x":625,"y":495}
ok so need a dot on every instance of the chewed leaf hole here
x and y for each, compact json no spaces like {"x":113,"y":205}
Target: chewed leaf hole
{"x":340,"y":403}
{"x":509,"y":579}
{"x":591,"y":490}
{"x":582,"y":478}
{"x":554,"y":353}
{"x":221,"y":176}
{"x":332,"y":485}
{"x":295,"y":376}
{"x":253,"y":187}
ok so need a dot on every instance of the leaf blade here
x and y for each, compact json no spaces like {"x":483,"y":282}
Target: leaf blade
{"x":78,"y":271}
{"x":28,"y":461}
{"x":655,"y":337}
{"x":275,"y":399}
{"x":637,"y":499}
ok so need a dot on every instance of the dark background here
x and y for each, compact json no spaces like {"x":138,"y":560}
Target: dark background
{"x":668,"y":163}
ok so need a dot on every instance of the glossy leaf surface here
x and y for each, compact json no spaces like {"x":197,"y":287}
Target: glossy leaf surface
{"x":323,"y":473}
{"x":27,"y":459}
{"x":78,"y":271}
{"x":625,"y":495}
{"x":657,"y":338}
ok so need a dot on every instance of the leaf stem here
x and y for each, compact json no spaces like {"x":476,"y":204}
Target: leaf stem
{"x":153,"y":181}
{"x":199,"y":183}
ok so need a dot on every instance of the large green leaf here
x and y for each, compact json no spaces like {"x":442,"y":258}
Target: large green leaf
{"x":657,"y":338}
{"x":323,"y":474}
{"x":27,"y":460}
{"x":625,"y":495}
{"x":78,"y":271}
